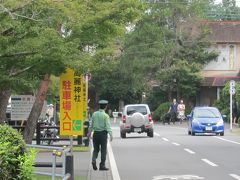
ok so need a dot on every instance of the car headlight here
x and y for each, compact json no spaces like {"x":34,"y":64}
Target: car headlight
{"x":195,"y":121}
{"x":220,"y":123}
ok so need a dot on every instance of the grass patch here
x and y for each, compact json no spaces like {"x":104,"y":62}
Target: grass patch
{"x":42,"y":177}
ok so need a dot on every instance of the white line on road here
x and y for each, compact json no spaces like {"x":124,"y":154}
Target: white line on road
{"x":165,"y":139}
{"x":189,"y":151}
{"x":113,"y":164}
{"x":209,"y":162}
{"x":235,"y":176}
{"x":234,"y":142}
{"x":156,"y":134}
{"x":176,"y":144}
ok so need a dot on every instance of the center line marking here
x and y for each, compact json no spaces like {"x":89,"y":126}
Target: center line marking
{"x":176,"y":144}
{"x":156,"y":134}
{"x":165,"y":139}
{"x":209,"y":162}
{"x":189,"y":151}
{"x":235,"y":176}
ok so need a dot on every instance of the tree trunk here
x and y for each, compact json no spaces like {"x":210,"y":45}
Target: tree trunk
{"x":120,"y":105}
{"x":4,"y":97}
{"x":36,"y":110}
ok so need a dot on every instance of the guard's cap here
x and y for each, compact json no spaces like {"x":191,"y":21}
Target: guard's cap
{"x":103,"y":102}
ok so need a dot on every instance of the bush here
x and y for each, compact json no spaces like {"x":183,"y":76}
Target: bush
{"x":161,"y":111}
{"x":15,"y":160}
{"x":223,"y":108}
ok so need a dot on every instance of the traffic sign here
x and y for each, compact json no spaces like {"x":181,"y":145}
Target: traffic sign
{"x":232,"y":91}
{"x":232,"y":83}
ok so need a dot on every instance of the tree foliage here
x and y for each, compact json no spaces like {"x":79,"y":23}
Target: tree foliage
{"x":157,"y":49}
{"x":227,"y":10}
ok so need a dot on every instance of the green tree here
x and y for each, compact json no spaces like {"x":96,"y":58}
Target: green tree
{"x":158,"y":49}
{"x":227,"y":10}
{"x":42,"y":38}
{"x":223,"y":103}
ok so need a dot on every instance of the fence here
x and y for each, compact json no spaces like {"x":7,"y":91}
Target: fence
{"x":39,"y":138}
{"x":67,"y":161}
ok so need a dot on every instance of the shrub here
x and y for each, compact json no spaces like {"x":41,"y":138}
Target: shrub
{"x":161,"y":111}
{"x":15,"y":160}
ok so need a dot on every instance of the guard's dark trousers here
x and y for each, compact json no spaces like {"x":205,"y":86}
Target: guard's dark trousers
{"x":100,"y":142}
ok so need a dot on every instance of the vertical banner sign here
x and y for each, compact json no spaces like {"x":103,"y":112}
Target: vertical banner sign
{"x":71,"y":109}
{"x":84,"y":98}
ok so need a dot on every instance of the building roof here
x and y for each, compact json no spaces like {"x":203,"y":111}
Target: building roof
{"x":218,"y":81}
{"x":224,"y":31}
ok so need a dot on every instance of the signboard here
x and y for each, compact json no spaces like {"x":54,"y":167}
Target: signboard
{"x":21,"y":106}
{"x":232,"y":87}
{"x":232,"y":83}
{"x":71,"y":103}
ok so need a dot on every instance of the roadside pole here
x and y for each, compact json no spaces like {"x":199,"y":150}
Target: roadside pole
{"x":230,"y":111}
{"x":231,"y":92}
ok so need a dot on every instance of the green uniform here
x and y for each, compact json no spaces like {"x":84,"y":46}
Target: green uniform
{"x":100,"y":125}
{"x":100,"y":122}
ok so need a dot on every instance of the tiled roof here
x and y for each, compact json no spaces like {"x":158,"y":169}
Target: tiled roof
{"x":218,"y":81}
{"x":224,"y":31}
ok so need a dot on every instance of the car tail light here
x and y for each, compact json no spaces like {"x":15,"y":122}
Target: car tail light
{"x":124,"y":119}
{"x":150,"y":118}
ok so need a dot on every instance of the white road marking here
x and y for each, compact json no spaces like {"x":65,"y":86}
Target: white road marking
{"x":175,"y":177}
{"x":209,"y":162}
{"x":165,"y":139}
{"x":235,"y":176}
{"x":189,"y":151}
{"x":234,"y":142}
{"x":156,"y":134}
{"x":176,"y":144}
{"x":113,"y":164}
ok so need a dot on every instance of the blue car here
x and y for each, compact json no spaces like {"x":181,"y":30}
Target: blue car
{"x":205,"y":120}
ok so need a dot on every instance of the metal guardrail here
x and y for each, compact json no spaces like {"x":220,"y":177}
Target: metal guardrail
{"x":57,"y":151}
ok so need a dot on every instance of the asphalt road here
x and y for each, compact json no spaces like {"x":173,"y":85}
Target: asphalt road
{"x":172,"y":154}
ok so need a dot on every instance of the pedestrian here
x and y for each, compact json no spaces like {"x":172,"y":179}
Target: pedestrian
{"x":181,"y":111}
{"x":173,"y":110}
{"x":234,"y":112}
{"x":100,"y":127}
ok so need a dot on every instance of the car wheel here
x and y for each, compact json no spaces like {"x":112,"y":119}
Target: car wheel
{"x":123,"y":135}
{"x":189,"y":132}
{"x":193,"y":133}
{"x":150,"y":133}
{"x":222,"y":134}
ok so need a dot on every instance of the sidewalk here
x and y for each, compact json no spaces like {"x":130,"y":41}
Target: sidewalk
{"x":82,"y":166}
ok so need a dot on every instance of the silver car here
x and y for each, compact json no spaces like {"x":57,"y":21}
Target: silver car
{"x":136,"y":118}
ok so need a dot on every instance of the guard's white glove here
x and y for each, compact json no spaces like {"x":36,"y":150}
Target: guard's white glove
{"x":89,"y":135}
{"x":111,"y":138}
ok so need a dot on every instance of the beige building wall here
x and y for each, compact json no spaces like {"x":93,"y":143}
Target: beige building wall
{"x":227,"y":64}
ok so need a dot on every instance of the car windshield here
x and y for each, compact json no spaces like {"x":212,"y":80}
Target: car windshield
{"x":206,"y":113}
{"x":133,"y":109}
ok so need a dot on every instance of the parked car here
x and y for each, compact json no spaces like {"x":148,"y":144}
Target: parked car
{"x":205,"y":120}
{"x":136,"y":118}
